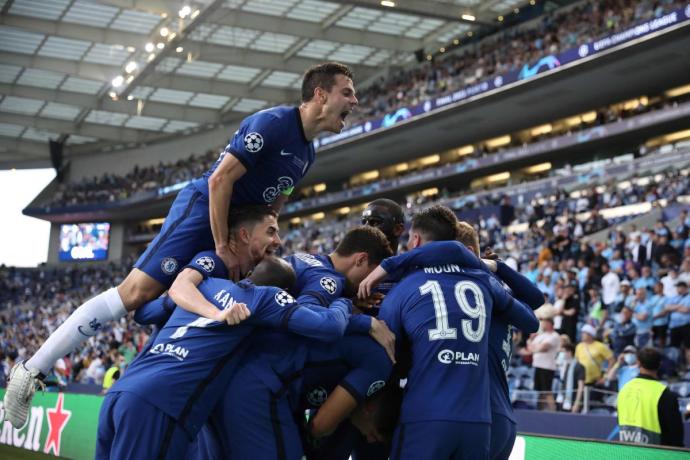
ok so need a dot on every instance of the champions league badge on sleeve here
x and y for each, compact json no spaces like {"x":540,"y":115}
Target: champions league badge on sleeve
{"x":207,"y":263}
{"x":329,"y":284}
{"x":253,"y":142}
{"x":284,"y":299}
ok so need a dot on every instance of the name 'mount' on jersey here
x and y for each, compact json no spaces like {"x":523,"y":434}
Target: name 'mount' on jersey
{"x":272,"y":146}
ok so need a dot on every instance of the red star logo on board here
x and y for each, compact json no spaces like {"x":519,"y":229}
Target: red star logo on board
{"x":57,"y":420}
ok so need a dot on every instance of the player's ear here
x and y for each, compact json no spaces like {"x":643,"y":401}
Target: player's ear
{"x":320,"y":94}
{"x":244,"y":235}
{"x":415,"y":240}
{"x":361,"y":258}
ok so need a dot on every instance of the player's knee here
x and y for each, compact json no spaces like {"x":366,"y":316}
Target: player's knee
{"x":135,"y":291}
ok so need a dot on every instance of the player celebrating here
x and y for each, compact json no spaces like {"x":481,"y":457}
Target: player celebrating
{"x":268,"y":155}
{"x":503,"y":429}
{"x":442,"y":311}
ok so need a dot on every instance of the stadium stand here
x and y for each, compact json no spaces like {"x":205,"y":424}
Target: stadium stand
{"x":110,"y":188}
{"x":504,"y":52}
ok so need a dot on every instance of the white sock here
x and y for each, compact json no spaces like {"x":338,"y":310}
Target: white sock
{"x":83,"y":323}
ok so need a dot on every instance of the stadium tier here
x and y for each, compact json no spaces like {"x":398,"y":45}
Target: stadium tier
{"x":332,"y":221}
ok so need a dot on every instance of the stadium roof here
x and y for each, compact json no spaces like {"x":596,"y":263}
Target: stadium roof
{"x":109,"y":72}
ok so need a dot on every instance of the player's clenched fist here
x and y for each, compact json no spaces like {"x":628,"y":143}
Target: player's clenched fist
{"x":235,"y":314}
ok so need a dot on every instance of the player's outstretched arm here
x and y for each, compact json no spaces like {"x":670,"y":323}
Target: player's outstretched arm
{"x":185,"y":293}
{"x":523,"y":289}
{"x":432,"y":253}
{"x":156,"y":312}
{"x":325,"y":324}
{"x":512,"y":310}
{"x":220,"y":186}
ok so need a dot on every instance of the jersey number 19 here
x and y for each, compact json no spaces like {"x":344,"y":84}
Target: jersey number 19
{"x":443,"y":331}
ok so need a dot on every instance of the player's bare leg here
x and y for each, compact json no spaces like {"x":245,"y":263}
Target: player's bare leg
{"x":86,"y":321}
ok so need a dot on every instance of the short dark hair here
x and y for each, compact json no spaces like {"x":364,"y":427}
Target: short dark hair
{"x":322,"y":76}
{"x":649,"y":358}
{"x":568,"y":347}
{"x":437,"y":223}
{"x":395,"y":210}
{"x":274,"y":271}
{"x":365,"y":239}
{"x":248,"y":216}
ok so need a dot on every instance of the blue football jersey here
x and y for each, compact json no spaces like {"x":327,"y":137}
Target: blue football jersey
{"x":355,"y":362}
{"x":158,"y":311}
{"x":272,"y":146}
{"x":192,"y":359}
{"x":317,"y":281}
{"x":500,"y":330}
{"x":443,"y":312}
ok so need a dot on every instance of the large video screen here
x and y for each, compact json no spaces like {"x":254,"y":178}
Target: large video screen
{"x":84,"y":241}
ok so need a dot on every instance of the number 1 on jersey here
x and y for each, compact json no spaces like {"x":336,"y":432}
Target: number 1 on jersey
{"x":443,"y":330}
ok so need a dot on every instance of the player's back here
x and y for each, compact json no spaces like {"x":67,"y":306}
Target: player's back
{"x":443,"y":313}
{"x":189,"y":348}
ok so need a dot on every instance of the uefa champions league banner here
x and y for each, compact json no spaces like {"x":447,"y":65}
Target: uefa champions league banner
{"x":527,"y":71}
{"x":60,"y":424}
{"x":65,"y":425}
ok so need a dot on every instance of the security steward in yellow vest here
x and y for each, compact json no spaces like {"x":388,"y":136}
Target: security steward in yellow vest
{"x":647,"y":410}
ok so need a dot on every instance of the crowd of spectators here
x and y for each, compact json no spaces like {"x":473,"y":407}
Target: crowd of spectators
{"x":110,"y":188}
{"x":496,"y":54}
{"x":608,"y":300}
{"x":506,"y":51}
{"x":35,"y":301}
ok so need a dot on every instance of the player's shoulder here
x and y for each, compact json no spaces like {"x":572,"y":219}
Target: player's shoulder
{"x":271,"y":295}
{"x":209,"y":263}
{"x":304,"y":260}
{"x":281,"y":113}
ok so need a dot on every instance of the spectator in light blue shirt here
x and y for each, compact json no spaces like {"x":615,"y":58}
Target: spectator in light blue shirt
{"x":659,"y":315}
{"x":642,"y":317}
{"x":679,"y":321}
{"x":679,"y":307}
{"x":646,"y":280}
{"x":626,"y":367}
{"x":617,"y":262}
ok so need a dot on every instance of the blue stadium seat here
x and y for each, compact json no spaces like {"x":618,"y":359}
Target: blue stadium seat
{"x":525,"y":399}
